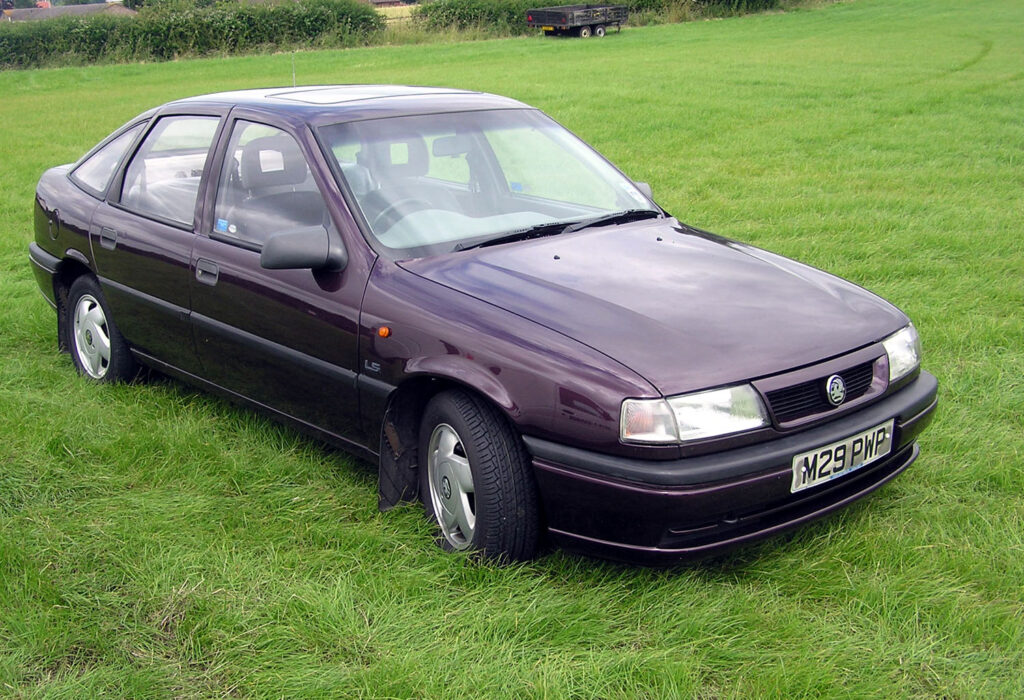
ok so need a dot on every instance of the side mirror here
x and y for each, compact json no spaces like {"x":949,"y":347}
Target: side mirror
{"x":303,"y":248}
{"x":645,"y":188}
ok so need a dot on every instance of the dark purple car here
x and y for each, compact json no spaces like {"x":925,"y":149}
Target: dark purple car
{"x":452,"y":285}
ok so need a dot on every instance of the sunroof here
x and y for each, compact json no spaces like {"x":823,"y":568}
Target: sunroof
{"x":352,"y":93}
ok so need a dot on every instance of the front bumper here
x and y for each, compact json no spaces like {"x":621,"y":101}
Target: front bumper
{"x":660,"y":512}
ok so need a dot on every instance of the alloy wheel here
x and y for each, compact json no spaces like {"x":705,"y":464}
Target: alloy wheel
{"x":91,"y":336}
{"x":452,"y":492}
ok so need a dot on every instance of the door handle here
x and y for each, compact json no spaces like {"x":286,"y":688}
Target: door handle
{"x":108,"y":238}
{"x":207,"y":271}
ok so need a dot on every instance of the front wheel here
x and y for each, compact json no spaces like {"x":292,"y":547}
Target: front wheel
{"x":97,"y":347}
{"x":599,"y":31}
{"x":475,"y":479}
{"x":584,"y":32}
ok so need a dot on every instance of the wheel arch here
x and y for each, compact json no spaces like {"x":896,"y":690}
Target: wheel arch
{"x":399,"y":435}
{"x":68,"y":270}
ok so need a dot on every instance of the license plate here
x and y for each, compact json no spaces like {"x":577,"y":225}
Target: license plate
{"x":548,"y":29}
{"x":839,"y":458}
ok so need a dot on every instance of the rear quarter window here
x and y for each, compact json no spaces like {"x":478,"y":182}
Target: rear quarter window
{"x":95,"y":172}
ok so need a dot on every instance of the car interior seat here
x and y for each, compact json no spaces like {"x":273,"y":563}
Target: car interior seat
{"x":399,"y":169}
{"x":280,"y":193}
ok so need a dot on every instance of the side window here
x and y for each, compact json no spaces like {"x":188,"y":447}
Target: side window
{"x":265,"y":186}
{"x":162,"y":178}
{"x":95,"y":172}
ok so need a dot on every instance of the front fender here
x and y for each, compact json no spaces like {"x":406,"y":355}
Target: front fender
{"x":548,"y":384}
{"x":462,"y":370}
{"x":418,"y":337}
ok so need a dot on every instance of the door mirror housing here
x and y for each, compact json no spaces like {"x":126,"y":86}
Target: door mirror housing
{"x":311,"y":247}
{"x":645,"y":188}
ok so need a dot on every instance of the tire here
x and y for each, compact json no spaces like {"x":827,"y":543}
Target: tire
{"x":584,"y":32}
{"x":98,"y":349}
{"x":599,"y":31}
{"x":476,"y":481}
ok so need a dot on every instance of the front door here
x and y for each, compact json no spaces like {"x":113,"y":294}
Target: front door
{"x":285,"y":339}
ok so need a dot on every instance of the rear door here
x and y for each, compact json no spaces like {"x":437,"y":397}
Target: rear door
{"x":142,"y":236}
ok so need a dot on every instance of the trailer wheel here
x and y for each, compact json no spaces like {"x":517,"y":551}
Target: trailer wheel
{"x":599,"y":31}
{"x":584,"y":32}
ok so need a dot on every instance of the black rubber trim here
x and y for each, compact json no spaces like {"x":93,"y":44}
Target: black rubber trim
{"x":374,"y":387}
{"x":907,"y":405}
{"x":286,"y":354}
{"x":156,"y":302}
{"x":43,"y":260}
{"x":237,"y":242}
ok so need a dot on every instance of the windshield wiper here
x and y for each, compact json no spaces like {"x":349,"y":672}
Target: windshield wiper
{"x":618,"y":217}
{"x":552,"y":228}
{"x":549,"y":228}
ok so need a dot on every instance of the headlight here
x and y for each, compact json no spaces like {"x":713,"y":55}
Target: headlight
{"x":904,"y":351}
{"x":692,"y":416}
{"x":718,"y":412}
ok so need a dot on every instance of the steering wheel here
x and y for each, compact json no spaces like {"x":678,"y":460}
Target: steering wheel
{"x":396,"y":211}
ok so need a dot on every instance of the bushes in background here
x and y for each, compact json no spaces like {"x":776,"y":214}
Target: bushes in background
{"x":508,"y":16}
{"x":173,"y":28}
{"x":504,"y":16}
{"x":82,"y":39}
{"x":168,"y":29}
{"x":718,"y":7}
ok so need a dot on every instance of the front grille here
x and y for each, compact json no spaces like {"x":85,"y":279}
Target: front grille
{"x":809,"y":398}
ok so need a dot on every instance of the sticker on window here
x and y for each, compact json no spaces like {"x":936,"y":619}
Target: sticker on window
{"x":633,"y":192}
{"x":222,"y":225}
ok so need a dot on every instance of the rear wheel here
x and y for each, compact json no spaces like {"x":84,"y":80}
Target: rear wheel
{"x":476,"y":481}
{"x":97,"y":347}
{"x":584,"y":32}
{"x":599,"y":31}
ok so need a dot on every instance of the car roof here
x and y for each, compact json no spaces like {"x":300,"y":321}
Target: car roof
{"x":338,"y":103}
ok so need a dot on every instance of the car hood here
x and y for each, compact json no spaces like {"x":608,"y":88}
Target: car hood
{"x":683,"y":308}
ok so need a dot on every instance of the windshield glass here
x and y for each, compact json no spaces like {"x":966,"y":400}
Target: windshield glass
{"x":429,"y":184}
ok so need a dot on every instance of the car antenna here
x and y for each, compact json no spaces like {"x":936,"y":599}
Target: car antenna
{"x":293,"y":69}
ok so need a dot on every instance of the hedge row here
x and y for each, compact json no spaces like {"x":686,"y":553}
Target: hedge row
{"x":508,"y":16}
{"x":737,"y":6}
{"x":167,"y":29}
{"x":505,"y":16}
{"x":186,"y":30}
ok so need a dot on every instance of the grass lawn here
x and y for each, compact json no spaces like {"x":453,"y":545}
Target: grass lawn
{"x":155,"y":542}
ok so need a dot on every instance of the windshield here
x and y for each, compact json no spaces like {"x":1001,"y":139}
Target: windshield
{"x":430,"y":184}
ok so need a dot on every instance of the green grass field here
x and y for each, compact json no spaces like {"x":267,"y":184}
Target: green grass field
{"x":156,"y":542}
